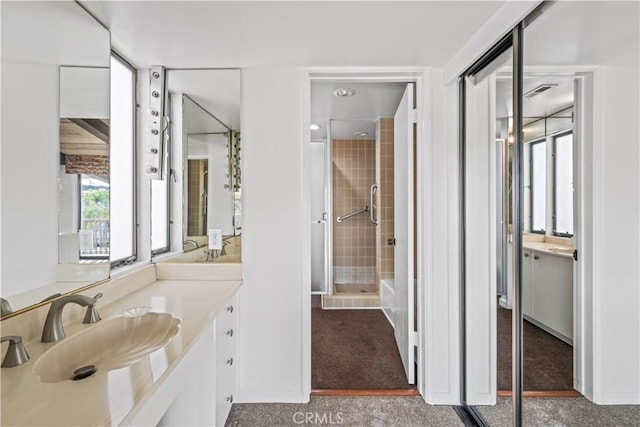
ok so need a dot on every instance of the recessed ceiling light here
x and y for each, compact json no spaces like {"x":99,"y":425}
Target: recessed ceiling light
{"x":314,"y":126}
{"x":342,"y":92}
{"x":361,"y":133}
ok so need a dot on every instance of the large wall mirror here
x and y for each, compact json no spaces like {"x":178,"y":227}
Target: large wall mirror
{"x":205,"y":141}
{"x":55,"y":152}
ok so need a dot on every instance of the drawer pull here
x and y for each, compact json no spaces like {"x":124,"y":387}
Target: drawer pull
{"x":526,"y":255}
{"x":230,"y":361}
{"x":536,"y":257}
{"x":230,"y":332}
{"x":230,"y":398}
{"x":230,"y":309}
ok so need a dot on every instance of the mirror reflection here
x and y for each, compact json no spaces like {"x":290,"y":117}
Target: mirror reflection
{"x":205,"y":135}
{"x":55,"y":138}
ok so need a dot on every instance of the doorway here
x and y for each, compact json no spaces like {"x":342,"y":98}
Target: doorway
{"x":362,"y":253}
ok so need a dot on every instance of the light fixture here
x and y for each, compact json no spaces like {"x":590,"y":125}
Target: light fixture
{"x":314,"y":126}
{"x":361,"y":133}
{"x":343,"y":92}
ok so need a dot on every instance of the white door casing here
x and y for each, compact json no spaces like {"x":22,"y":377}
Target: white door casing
{"x":403,"y":230}
{"x":319,"y":276}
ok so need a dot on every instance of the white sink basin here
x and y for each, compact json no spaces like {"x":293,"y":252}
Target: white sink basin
{"x":110,"y":344}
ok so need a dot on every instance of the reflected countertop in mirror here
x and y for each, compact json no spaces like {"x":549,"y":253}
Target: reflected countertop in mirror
{"x":55,"y":88}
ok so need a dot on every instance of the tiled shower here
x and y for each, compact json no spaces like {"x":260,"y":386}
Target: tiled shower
{"x":361,"y":256}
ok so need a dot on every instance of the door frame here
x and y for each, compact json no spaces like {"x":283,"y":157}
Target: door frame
{"x":421,"y":77}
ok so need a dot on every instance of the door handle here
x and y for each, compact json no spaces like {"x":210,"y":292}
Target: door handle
{"x":372,"y":194}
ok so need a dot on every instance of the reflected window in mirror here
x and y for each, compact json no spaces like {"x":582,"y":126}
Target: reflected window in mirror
{"x":537,"y":185}
{"x":563,"y":185}
{"x":161,"y":195}
{"x":122,"y":146}
{"x":93,"y":199}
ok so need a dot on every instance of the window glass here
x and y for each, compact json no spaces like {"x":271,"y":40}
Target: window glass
{"x":538,"y":185}
{"x":122,"y":161}
{"x":563,"y":176}
{"x":94,"y":216}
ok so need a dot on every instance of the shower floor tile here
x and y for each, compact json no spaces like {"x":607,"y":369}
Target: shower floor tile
{"x":356,"y":288}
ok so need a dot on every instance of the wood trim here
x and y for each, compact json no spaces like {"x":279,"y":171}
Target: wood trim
{"x":365,"y":392}
{"x":542,"y":393}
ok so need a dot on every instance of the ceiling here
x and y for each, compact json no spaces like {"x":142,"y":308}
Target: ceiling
{"x":217,"y":91}
{"x":355,"y":113}
{"x":546,"y":103}
{"x":290,"y":33}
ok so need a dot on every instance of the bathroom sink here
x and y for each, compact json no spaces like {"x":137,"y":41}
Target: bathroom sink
{"x":110,"y":344}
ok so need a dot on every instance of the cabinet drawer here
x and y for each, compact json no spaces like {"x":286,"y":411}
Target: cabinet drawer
{"x":226,"y":380}
{"x":227,"y":326}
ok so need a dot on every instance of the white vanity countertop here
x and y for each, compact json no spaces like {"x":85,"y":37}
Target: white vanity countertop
{"x":549,"y":248}
{"x":107,"y":398}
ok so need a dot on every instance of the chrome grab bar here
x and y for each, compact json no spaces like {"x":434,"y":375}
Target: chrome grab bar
{"x":372,"y":195}
{"x":342,"y":218}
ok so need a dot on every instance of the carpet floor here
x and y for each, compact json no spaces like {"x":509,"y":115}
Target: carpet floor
{"x":354,"y":349}
{"x":562,"y":412}
{"x":548,"y":361}
{"x":344,"y":411}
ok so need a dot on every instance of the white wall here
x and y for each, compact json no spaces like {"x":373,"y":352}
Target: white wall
{"x":480,"y":231}
{"x":616,"y":237}
{"x":29,"y":173}
{"x":272,"y":312}
{"x":437,"y":166}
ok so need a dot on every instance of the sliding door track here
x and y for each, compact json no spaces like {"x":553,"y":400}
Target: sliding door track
{"x":469,"y":416}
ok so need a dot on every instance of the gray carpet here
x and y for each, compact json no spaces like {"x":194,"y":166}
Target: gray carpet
{"x":562,"y":412}
{"x":345,"y":411}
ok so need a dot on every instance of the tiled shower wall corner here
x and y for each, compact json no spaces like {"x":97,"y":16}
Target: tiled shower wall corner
{"x":196,"y":224}
{"x":354,"y":240}
{"x":353,"y":275}
{"x":384,"y":178}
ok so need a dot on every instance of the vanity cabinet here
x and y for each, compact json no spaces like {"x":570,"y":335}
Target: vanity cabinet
{"x":226,"y":359}
{"x":210,"y":375}
{"x":547,"y":297}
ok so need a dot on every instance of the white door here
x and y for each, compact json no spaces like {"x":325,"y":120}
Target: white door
{"x":403,"y":231}
{"x":319,"y":282}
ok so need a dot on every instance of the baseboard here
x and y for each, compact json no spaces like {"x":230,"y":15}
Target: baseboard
{"x":254,"y":396}
{"x":616,"y":398}
{"x":541,"y":393}
{"x":549,"y":330}
{"x":366,"y":392}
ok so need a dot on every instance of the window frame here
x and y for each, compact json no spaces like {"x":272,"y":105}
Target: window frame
{"x":554,"y":139}
{"x":134,"y":143}
{"x":168,"y":172}
{"x":530,"y":144}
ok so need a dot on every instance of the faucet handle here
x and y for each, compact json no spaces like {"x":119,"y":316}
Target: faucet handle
{"x":92,"y":315}
{"x":16,"y":353}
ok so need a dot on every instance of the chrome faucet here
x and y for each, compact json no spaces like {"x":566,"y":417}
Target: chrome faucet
{"x":190,"y":242}
{"x":53,"y":330}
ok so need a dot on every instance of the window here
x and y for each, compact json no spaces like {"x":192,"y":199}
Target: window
{"x":94,"y":216}
{"x":563,"y":185}
{"x":552,"y":207}
{"x":160,"y":193}
{"x":538,"y":182}
{"x":122,"y":162}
